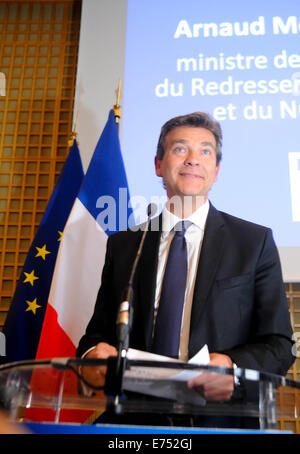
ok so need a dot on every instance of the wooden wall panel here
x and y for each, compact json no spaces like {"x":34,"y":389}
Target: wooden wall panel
{"x":290,"y":399}
{"x":38,"y":56}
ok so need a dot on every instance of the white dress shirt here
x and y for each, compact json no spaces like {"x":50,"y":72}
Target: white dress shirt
{"x":194,"y":237}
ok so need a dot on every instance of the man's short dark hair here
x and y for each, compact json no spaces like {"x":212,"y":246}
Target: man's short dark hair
{"x":197,"y":120}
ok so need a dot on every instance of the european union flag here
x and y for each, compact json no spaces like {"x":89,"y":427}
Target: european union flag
{"x":82,"y":253}
{"x":26,"y":314}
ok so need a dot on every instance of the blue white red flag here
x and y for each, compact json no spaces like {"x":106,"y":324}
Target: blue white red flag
{"x":101,"y":208}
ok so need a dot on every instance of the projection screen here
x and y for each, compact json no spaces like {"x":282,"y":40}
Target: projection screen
{"x":239,"y":61}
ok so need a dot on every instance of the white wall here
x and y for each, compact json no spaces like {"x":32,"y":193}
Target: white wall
{"x":100,"y":67}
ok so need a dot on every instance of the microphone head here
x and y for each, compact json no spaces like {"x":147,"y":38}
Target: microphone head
{"x":151,"y":209}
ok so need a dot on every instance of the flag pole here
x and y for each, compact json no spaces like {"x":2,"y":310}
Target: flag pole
{"x":73,"y":134}
{"x":117,"y":107}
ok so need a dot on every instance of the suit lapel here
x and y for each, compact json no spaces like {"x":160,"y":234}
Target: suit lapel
{"x":211,"y":252}
{"x":147,"y":279}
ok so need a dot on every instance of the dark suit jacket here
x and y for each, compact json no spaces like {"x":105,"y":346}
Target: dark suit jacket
{"x":239,"y":305}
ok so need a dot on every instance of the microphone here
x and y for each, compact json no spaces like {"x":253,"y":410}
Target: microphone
{"x":113,"y":385}
{"x":125,"y":310}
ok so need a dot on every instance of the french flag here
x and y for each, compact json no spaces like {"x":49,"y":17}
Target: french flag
{"x":100,"y":209}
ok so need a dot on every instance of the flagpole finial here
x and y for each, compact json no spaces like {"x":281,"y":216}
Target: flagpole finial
{"x":117,"y":107}
{"x":73,"y":134}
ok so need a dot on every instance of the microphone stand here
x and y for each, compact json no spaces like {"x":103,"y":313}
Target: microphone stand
{"x":116,"y":365}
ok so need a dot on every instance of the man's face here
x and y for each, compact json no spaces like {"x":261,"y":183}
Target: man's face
{"x":189,"y":166}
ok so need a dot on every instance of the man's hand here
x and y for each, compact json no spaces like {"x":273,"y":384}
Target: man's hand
{"x":96,"y":375}
{"x":215,"y":386}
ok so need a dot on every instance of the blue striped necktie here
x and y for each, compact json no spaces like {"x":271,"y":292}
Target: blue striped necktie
{"x":168,"y":321}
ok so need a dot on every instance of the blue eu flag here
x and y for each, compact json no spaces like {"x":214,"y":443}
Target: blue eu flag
{"x":26,"y":314}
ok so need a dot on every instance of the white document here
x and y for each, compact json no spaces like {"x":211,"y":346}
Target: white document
{"x":164,"y":382}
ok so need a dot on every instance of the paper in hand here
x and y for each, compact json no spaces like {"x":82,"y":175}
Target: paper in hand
{"x":164,"y":382}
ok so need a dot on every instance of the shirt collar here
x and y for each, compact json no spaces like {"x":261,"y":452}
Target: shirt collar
{"x":198,"y":218}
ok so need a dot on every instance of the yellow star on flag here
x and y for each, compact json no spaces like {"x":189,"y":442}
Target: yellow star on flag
{"x":30,"y":277}
{"x":60,"y":235}
{"x":32,"y":306}
{"x":42,"y":252}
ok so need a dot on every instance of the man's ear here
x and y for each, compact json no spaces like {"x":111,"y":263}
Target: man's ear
{"x":157,"y":163}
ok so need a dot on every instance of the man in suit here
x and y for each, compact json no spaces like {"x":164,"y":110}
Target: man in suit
{"x":234,"y":298}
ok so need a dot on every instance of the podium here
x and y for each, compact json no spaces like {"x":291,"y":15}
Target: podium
{"x":57,"y":393}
